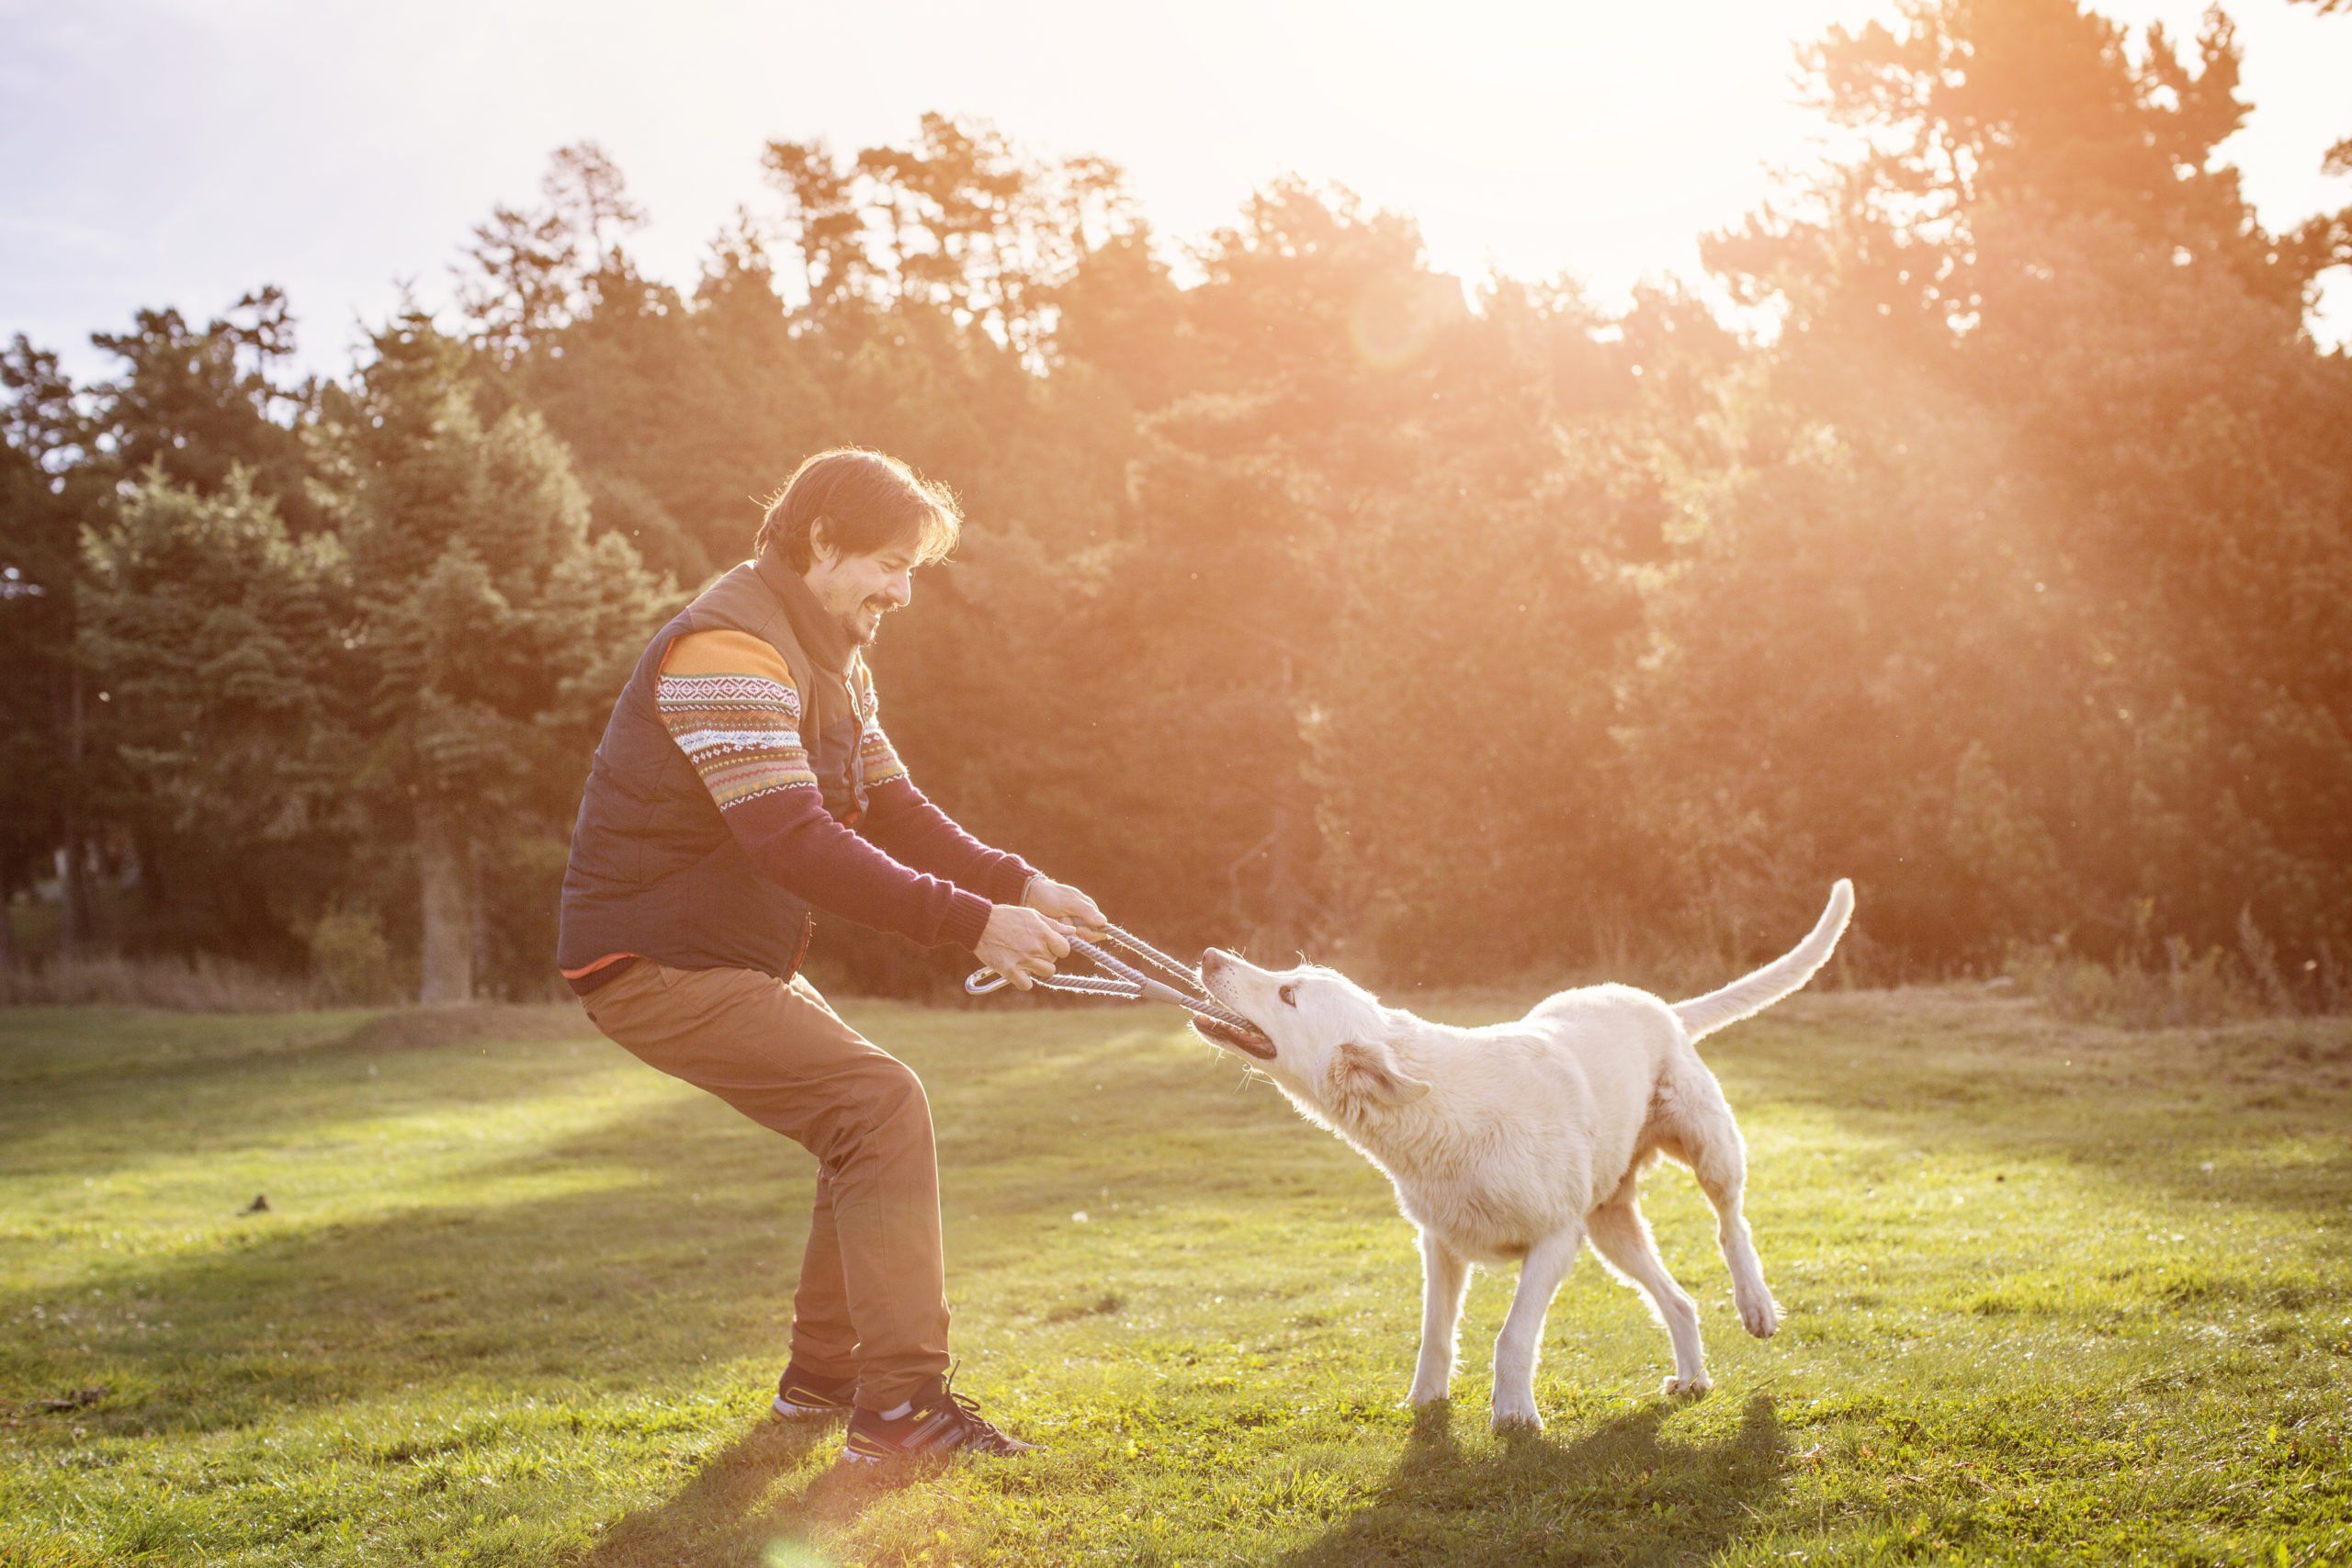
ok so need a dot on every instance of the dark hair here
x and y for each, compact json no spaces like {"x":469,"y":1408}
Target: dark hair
{"x":868,"y":501}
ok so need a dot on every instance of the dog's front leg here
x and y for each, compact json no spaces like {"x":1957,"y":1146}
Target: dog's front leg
{"x":1546,"y":1264}
{"x":1443,"y":1274}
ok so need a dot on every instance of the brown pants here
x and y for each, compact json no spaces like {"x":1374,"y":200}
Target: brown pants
{"x":873,"y":1297}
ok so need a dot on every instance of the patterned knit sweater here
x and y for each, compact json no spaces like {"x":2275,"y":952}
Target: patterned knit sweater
{"x":904,"y":865}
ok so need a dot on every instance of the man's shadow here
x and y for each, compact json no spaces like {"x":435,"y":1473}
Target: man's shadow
{"x":1615,"y":1494}
{"x":727,"y":1515}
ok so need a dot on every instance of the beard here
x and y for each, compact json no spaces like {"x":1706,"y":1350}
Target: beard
{"x":861,"y":631}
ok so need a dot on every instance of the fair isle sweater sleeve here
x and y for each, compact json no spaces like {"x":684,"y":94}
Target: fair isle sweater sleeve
{"x":728,"y":699}
{"x":900,"y":818}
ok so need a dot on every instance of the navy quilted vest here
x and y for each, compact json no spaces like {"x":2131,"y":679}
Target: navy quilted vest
{"x":654,"y":869}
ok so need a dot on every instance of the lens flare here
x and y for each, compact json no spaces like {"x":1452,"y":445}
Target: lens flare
{"x":1395,"y":320}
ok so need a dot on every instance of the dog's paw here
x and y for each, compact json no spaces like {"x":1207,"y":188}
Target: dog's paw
{"x":1517,"y":1415}
{"x":1686,"y":1388}
{"x":1760,"y":1315}
{"x":1422,"y":1398}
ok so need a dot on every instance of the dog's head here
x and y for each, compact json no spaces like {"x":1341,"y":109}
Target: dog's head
{"x":1323,"y":1038}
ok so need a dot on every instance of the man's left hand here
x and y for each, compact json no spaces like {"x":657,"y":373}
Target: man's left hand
{"x":1060,"y":901}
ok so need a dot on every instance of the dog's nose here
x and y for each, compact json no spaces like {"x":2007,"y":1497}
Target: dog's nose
{"x":1212,"y":958}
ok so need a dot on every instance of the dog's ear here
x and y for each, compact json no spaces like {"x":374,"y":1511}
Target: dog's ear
{"x":1369,"y":1072}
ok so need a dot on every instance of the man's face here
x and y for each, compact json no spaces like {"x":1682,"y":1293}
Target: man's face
{"x":858,"y":590}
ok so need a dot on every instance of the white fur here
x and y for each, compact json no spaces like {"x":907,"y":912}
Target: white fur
{"x":1520,"y":1141}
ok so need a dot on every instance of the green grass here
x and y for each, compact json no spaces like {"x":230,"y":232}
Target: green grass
{"x":2053,"y":1294}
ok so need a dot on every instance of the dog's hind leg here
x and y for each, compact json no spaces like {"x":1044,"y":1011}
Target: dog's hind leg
{"x":1709,"y":1142}
{"x":1444,"y":1275}
{"x":1539,"y":1276}
{"x":1622,"y":1236}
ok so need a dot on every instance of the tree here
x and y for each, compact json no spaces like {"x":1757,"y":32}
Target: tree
{"x":2102,"y":658}
{"x":222,"y":636}
{"x":202,"y":408}
{"x":2008,"y":572}
{"x":828,"y":230}
{"x":196,"y":403}
{"x":494,"y":625}
{"x":525,"y":272}
{"x":585,"y":188}
{"x":2329,"y":235}
{"x":531,"y":271}
{"x":36,"y":639}
{"x":47,"y":486}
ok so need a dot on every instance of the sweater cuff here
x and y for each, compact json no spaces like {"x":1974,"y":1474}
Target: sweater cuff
{"x":1009,"y":879}
{"x":967,"y":918}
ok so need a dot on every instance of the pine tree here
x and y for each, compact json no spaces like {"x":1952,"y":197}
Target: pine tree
{"x":49,"y":485}
{"x":492,"y":625}
{"x":2038,"y":509}
{"x":199,"y":401}
{"x":220,"y":635}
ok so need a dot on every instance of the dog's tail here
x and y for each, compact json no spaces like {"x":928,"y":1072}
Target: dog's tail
{"x":1747,"y":997}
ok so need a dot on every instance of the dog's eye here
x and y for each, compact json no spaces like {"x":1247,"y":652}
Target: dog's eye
{"x":1289,"y":995}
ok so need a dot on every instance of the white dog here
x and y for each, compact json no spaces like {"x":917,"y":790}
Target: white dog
{"x":1518,"y":1141}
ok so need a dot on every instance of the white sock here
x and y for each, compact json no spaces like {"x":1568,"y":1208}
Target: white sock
{"x":901,"y":1410}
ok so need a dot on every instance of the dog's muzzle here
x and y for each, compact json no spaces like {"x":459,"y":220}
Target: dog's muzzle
{"x":1250,"y":1042}
{"x":1241,"y":1035}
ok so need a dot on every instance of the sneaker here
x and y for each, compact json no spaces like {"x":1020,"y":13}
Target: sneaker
{"x":941,"y":1423}
{"x":805,"y":1397}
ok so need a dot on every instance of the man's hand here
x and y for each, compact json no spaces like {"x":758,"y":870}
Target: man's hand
{"x":1022,"y":945}
{"x":1060,"y":901}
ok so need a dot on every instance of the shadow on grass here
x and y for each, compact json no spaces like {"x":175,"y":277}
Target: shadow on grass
{"x":676,"y":1250}
{"x":118,"y":1118}
{"x":733,"y":1511}
{"x":2153,"y":1109}
{"x":677,"y":1244}
{"x":1615,"y":1494}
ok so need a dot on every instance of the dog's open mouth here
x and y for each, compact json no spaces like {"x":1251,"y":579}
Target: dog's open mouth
{"x":1249,"y":1042}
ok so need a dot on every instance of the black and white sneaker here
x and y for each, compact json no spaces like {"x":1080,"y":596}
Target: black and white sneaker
{"x":940,"y":1422}
{"x":805,"y":1397}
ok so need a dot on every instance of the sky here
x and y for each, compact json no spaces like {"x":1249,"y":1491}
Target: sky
{"x":182,"y":151}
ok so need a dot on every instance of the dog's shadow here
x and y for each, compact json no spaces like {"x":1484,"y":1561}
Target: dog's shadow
{"x":1613,"y":1492}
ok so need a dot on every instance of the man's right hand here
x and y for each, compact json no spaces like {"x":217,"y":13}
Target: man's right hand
{"x":1022,"y":945}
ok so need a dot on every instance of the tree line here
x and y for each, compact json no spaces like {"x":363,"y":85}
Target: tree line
{"x":2003,"y":562}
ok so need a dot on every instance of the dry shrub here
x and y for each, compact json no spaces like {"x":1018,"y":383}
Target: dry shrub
{"x":2185,"y":991}
{"x":351,"y":961}
{"x":2173,"y":987}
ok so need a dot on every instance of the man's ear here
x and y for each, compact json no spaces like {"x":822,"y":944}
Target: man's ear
{"x":1369,"y":1072}
{"x":820,"y":539}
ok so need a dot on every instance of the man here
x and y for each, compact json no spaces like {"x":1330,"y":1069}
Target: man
{"x":742,"y":781}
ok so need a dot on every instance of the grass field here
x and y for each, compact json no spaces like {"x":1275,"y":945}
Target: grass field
{"x":2053,"y":1294}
